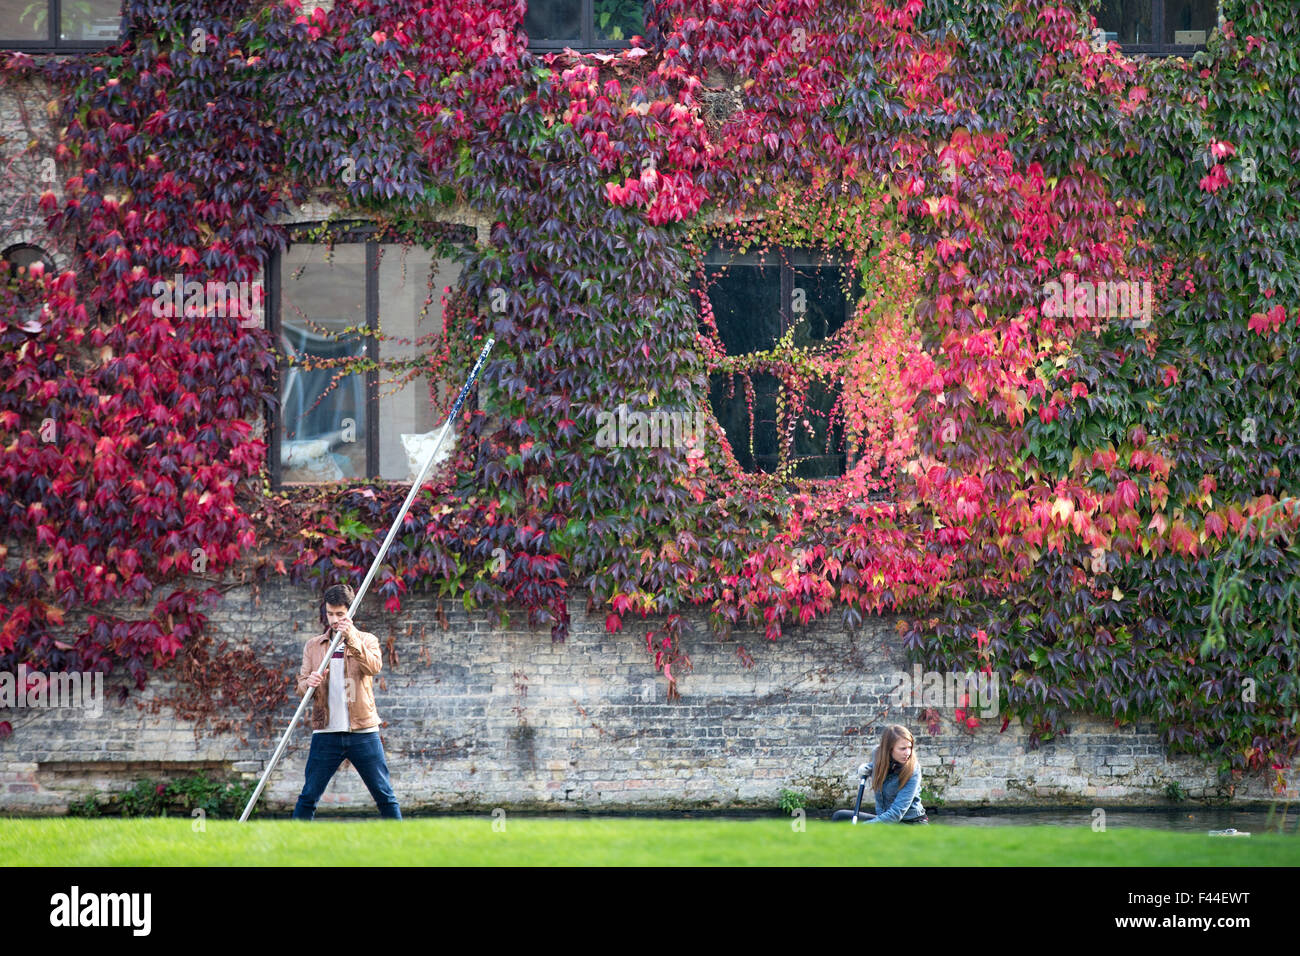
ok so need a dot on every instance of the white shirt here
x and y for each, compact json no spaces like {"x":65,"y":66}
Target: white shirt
{"x":338,"y":702}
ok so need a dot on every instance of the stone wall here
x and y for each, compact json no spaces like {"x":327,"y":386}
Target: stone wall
{"x":476,"y":717}
{"x":27,"y":144}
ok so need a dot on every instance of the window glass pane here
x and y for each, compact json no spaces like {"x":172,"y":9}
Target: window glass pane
{"x":1189,"y":21}
{"x":813,"y":456}
{"x":24,"y":22}
{"x":322,"y":294}
{"x":746,"y":299}
{"x":87,"y":20}
{"x":20,"y":259}
{"x":554,"y":22}
{"x":1125,"y":21}
{"x":617,"y":20}
{"x":818,"y":305}
{"x":733,"y":415}
{"x":745,"y":294}
{"x":406,"y":414}
{"x":23,"y":256}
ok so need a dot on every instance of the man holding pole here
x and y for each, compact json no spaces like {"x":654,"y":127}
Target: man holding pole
{"x":361,"y":646}
{"x":345,"y":725}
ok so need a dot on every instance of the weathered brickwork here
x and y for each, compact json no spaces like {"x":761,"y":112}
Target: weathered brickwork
{"x":477,"y":717}
{"x":27,"y":142}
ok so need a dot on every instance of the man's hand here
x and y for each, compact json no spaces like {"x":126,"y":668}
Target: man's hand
{"x":350,"y":632}
{"x":314,"y":679}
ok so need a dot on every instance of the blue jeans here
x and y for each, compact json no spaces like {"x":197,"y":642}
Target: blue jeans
{"x":864,"y":816}
{"x":367,"y":755}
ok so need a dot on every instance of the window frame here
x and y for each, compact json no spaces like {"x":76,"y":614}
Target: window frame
{"x":46,"y":259}
{"x":588,"y":43}
{"x":373,"y":235}
{"x":52,"y":44}
{"x":33,"y":310}
{"x":818,"y":256}
{"x":1158,"y":29}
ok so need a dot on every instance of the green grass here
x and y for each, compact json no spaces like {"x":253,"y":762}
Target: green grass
{"x":533,"y":841}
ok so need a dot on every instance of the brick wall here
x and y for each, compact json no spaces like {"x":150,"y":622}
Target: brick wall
{"x":477,"y":717}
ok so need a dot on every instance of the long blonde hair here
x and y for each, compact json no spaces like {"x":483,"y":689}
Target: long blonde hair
{"x":884,"y":756}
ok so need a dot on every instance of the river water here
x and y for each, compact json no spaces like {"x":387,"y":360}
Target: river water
{"x":1197,"y":820}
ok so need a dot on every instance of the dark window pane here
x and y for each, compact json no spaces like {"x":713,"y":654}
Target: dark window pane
{"x":745,"y":293}
{"x":813,"y":455}
{"x":554,"y":22}
{"x":1126,"y":21}
{"x":618,"y":20}
{"x":746,"y":300}
{"x":1189,"y":21}
{"x":818,"y":304}
{"x":90,"y":20}
{"x":727,"y":396}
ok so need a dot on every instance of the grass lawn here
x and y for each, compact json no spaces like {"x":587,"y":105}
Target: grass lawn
{"x":533,"y":841}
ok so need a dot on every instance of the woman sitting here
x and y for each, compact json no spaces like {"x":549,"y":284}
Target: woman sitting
{"x":895,"y":781}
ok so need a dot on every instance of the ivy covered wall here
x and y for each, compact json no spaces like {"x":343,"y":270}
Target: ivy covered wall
{"x":1042,"y":483}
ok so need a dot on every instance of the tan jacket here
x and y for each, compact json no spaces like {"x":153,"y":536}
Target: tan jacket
{"x":361,"y":661}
